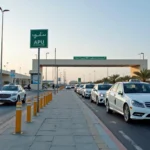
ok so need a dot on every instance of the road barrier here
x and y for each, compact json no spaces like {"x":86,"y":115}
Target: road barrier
{"x":18,"y":117}
{"x":43,"y":101}
{"x":29,"y":105}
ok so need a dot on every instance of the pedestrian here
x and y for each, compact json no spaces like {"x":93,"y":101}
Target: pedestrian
{"x":53,"y":86}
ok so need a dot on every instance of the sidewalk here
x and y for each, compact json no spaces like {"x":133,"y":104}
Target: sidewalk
{"x":66,"y":123}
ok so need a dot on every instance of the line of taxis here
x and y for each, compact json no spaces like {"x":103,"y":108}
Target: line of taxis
{"x":130,"y":99}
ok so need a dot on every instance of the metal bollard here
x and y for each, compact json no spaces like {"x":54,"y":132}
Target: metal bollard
{"x":29,"y":104}
{"x":18,"y":117}
{"x":35,"y":107}
{"x":46,"y":99}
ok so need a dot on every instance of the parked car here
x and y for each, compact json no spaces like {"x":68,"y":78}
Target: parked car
{"x":130,"y":99}
{"x":98,"y":93}
{"x":86,"y":92}
{"x":12,"y":93}
{"x":68,"y":86}
{"x":80,"y":88}
{"x":75,"y":87}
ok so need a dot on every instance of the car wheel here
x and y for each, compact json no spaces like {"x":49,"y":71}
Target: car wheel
{"x":97,"y":102}
{"x":108,"y":110}
{"x":24,"y":99}
{"x":126,"y":113}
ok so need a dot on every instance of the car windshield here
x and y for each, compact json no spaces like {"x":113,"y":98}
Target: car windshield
{"x":104,"y":87}
{"x":10,"y":88}
{"x":136,"y":88}
{"x":81,"y":86}
{"x":90,"y":86}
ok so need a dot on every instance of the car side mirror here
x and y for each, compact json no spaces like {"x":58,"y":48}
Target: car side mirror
{"x":120,"y":93}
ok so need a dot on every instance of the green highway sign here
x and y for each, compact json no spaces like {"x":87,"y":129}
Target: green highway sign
{"x":39,"y":38}
{"x":89,"y":57}
{"x":79,"y":80}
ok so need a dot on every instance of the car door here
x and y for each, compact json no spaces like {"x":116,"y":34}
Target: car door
{"x":95,"y":92}
{"x":112,"y":96}
{"x":21,"y":92}
{"x":92,"y":93}
{"x":119,"y":98}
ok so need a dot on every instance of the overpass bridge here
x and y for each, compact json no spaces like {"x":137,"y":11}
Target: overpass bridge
{"x":133,"y":64}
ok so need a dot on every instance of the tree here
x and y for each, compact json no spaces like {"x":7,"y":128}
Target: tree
{"x":143,"y":74}
{"x":105,"y":79}
{"x":113,"y":78}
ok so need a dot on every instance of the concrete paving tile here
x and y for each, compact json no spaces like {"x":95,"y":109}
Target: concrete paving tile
{"x":87,"y":147}
{"x":19,"y":148}
{"x":46,"y":133}
{"x":81,"y":132}
{"x":63,"y":148}
{"x":79,"y":126}
{"x":42,"y":138}
{"x":63,"y":140}
{"x":40,"y":146}
{"x":84,"y":139}
{"x":48,"y":127}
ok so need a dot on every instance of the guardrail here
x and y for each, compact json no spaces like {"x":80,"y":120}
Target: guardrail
{"x":31,"y":108}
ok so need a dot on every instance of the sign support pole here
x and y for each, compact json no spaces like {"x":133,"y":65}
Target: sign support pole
{"x":38,"y":86}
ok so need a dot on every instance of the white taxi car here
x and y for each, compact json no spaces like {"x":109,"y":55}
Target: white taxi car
{"x":12,"y":93}
{"x":131,"y":99}
{"x":86,"y":91}
{"x":98,"y":93}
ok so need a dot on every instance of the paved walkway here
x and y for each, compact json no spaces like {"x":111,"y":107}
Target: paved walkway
{"x":65,"y":124}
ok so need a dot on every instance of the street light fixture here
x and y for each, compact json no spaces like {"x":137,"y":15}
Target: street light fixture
{"x":46,"y":67}
{"x":142,"y":54}
{"x":5,"y":10}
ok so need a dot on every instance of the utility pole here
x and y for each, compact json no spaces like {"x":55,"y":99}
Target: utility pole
{"x":1,"y":76}
{"x":46,"y":67}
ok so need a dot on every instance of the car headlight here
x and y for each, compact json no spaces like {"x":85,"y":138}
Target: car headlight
{"x":137,"y":104}
{"x":102,"y":95}
{"x":14,"y":94}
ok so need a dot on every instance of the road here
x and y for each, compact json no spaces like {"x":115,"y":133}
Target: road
{"x":7,"y":111}
{"x":134,"y":136}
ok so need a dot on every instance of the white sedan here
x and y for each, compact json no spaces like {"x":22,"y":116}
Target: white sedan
{"x":131,"y":99}
{"x":12,"y":93}
{"x":68,"y":86}
{"x":98,"y":93}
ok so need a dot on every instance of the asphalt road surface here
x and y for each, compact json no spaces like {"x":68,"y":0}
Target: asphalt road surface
{"x":7,"y":111}
{"x":134,"y":136}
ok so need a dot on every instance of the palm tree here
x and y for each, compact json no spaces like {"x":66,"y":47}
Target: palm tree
{"x":143,"y":74}
{"x":127,"y":78}
{"x":113,"y":78}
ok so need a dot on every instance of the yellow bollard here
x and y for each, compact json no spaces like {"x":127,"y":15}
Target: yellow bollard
{"x":29,"y":104}
{"x":35,"y":107}
{"x":40,"y":102}
{"x":47,"y":98}
{"x":44,"y":100}
{"x":51,"y":96}
{"x":18,"y":117}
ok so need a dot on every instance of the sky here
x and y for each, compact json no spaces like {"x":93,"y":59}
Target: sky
{"x":117,"y":29}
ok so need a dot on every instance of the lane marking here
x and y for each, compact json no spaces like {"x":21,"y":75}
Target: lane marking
{"x":114,"y":122}
{"x":130,"y":140}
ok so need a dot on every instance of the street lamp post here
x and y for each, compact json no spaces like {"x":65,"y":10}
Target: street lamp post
{"x":1,"y":81}
{"x":46,"y":67}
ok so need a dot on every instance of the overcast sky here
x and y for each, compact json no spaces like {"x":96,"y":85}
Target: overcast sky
{"x":118,"y":29}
